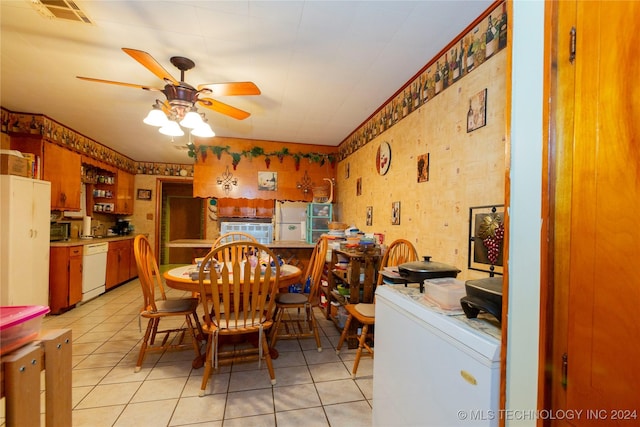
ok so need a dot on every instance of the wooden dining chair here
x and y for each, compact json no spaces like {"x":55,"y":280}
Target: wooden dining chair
{"x":232,"y":236}
{"x":156,"y":306}
{"x":289,"y":325}
{"x":239,"y":301}
{"x":398,"y":252}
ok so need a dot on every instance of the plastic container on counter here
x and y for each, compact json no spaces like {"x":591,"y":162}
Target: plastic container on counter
{"x":445,"y":292}
{"x":20,"y":325}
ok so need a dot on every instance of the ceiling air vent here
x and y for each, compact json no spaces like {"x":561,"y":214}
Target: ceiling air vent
{"x":61,"y":9}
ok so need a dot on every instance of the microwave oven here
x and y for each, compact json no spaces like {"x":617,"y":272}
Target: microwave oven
{"x":60,"y":231}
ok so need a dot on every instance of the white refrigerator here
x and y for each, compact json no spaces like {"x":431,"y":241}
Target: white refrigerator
{"x":24,"y":240}
{"x":290,"y":220}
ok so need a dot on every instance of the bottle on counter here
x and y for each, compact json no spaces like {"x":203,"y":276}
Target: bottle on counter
{"x":75,"y":232}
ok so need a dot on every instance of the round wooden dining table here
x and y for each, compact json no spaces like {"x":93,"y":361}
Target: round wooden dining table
{"x":181,"y":277}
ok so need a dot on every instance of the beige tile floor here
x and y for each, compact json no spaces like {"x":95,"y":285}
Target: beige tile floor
{"x":313,"y":389}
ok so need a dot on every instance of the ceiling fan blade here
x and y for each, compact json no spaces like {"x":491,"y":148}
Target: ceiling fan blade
{"x":150,"y":64}
{"x":90,"y":79}
{"x":223,"y":108}
{"x":231,"y":89}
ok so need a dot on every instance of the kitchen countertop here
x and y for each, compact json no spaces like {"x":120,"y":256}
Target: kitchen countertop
{"x":203,"y":243}
{"x":76,"y":242}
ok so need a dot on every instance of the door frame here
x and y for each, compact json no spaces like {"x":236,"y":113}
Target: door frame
{"x":558,"y":86}
{"x":160,"y":181}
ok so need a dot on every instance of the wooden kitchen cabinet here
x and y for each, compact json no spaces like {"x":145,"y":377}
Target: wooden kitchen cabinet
{"x":62,"y":168}
{"x":59,"y":165}
{"x":65,"y":277}
{"x":118,"y":263}
{"x":124,"y":193}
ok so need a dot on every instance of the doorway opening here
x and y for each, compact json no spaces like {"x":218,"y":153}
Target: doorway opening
{"x":181,"y":217}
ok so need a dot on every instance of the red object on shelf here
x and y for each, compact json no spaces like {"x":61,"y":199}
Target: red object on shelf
{"x":20,"y":325}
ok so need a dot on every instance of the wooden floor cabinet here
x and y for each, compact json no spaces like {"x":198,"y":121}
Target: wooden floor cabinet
{"x":65,"y":278}
{"x":119,"y":263}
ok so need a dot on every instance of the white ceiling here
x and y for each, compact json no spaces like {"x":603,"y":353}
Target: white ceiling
{"x":323,"y":66}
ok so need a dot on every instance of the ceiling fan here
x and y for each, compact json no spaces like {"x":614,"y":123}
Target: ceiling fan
{"x":181,"y":97}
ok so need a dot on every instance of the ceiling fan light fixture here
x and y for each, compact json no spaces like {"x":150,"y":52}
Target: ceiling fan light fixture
{"x":171,"y":128}
{"x":156,"y":117}
{"x":179,"y":108}
{"x":203,"y":131}
{"x":191,"y":120}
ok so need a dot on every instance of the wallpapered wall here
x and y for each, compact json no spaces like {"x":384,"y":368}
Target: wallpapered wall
{"x":465,"y":170}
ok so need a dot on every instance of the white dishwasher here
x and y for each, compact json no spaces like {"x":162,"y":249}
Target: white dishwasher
{"x":94,"y":270}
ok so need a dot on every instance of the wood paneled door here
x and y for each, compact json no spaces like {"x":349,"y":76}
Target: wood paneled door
{"x":593,"y":335}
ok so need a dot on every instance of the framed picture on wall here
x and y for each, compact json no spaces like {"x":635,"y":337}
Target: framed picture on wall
{"x":395,"y":213}
{"x":267,"y":181}
{"x":423,"y":167}
{"x":486,"y":238}
{"x":477,"y":113}
{"x":144,"y":194}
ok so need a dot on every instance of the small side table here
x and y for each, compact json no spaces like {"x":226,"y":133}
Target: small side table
{"x":20,"y":381}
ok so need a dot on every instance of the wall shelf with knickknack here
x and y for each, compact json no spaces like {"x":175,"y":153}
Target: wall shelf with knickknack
{"x":100,"y":188}
{"x":104,"y":194}
{"x":108,"y":191}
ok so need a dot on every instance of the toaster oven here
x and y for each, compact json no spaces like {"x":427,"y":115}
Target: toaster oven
{"x":60,"y":231}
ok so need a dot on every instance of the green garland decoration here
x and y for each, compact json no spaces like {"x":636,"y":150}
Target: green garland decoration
{"x":217,"y":150}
